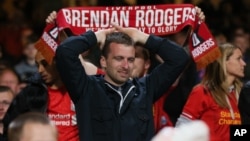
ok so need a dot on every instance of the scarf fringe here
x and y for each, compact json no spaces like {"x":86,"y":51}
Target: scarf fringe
{"x":45,"y":50}
{"x":208,"y":58}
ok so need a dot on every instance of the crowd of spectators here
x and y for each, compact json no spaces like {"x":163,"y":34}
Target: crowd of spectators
{"x":20,"y":18}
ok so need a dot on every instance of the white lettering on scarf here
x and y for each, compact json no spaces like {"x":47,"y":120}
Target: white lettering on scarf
{"x":164,"y":17}
{"x":203,"y":47}
{"x":96,"y":18}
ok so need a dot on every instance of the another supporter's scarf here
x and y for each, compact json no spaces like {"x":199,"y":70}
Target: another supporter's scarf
{"x":153,"y":19}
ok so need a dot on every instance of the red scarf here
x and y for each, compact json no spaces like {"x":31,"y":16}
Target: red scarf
{"x":153,"y":19}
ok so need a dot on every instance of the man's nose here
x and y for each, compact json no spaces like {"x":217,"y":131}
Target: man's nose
{"x":125,"y":63}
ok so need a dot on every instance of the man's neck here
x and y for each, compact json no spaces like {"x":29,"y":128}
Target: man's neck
{"x":56,"y":85}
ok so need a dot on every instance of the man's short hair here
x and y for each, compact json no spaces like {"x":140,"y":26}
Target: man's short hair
{"x":17,"y":125}
{"x":116,"y":37}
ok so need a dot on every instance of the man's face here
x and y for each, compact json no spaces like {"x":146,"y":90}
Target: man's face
{"x":5,"y":101}
{"x":119,"y":63}
{"x":242,"y":42}
{"x":11,"y":80}
{"x":141,"y":65}
{"x":47,"y":71}
{"x":30,"y":51}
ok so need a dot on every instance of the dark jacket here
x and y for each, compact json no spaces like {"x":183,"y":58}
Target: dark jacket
{"x":244,"y":103}
{"x":100,"y":117}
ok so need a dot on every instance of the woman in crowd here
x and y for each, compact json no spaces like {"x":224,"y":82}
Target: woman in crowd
{"x":215,"y":99}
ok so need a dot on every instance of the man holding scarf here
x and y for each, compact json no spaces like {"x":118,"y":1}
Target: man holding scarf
{"x":114,"y":107}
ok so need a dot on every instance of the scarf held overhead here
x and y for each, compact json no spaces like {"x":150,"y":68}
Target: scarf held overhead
{"x":152,"y":19}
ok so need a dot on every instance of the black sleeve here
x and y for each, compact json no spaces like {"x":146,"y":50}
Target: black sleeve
{"x":69,"y":65}
{"x":175,"y":60}
{"x":244,"y":103}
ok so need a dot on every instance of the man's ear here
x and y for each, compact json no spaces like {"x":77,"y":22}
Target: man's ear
{"x":103,"y":62}
{"x":147,"y":64}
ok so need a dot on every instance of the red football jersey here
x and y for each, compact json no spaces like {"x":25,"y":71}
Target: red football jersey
{"x":202,"y":106}
{"x":61,"y":111}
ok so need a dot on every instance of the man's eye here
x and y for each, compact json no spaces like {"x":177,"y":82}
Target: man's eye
{"x":118,"y":58}
{"x":5,"y":103}
{"x":131,"y":60}
{"x":44,"y":63}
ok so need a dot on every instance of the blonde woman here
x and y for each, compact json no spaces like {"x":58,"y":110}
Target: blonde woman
{"x":215,"y":99}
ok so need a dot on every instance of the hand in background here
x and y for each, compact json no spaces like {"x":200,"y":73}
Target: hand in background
{"x":51,"y":18}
